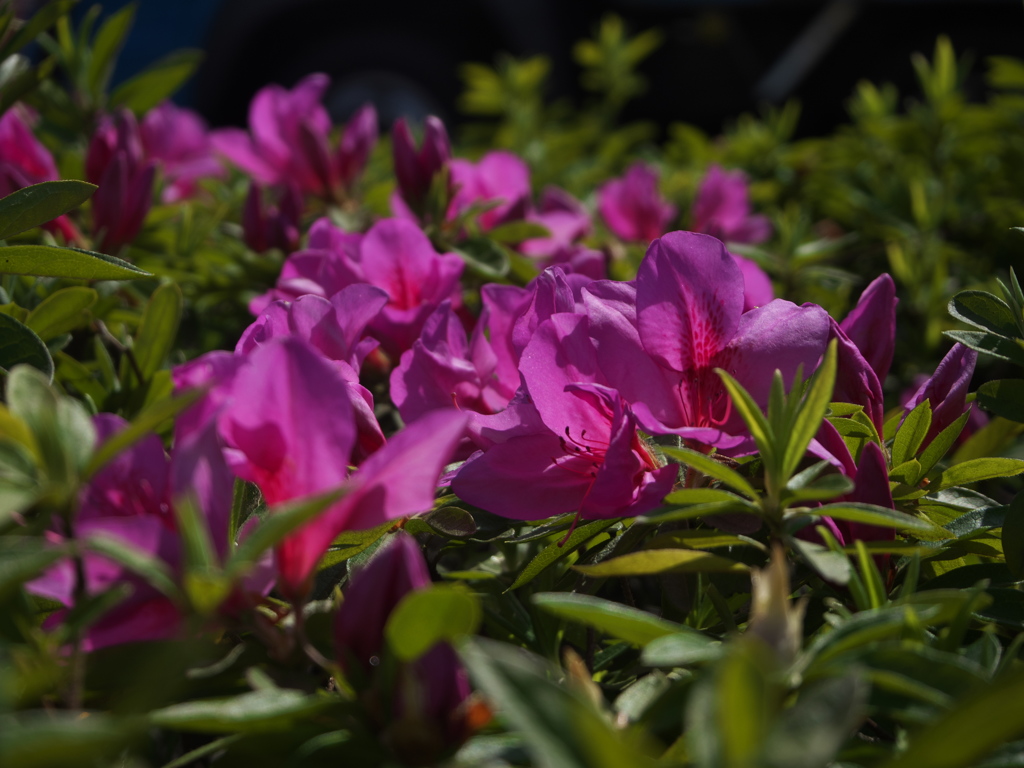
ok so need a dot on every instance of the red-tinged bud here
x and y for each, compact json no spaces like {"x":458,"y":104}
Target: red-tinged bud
{"x":415,"y":169}
{"x":274,"y":224}
{"x":359,"y":626}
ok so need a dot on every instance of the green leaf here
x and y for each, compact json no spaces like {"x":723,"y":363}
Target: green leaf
{"x":22,"y":558}
{"x":911,"y":433}
{"x":271,"y":709}
{"x":522,"y":686}
{"x":976,"y":470}
{"x":558,"y":551}
{"x":704,"y":538}
{"x":873,"y":515}
{"x":1013,"y":536}
{"x":40,"y":21}
{"x":20,"y":345}
{"x":348,"y":544}
{"x":454,"y":522}
{"x":106,"y":45}
{"x":55,"y":739}
{"x":1004,"y":397}
{"x":518,"y":231}
{"x":990,"y":344}
{"x":810,"y":733}
{"x":484,"y":257}
{"x":61,"y":311}
{"x":73,"y":263}
{"x":151,"y":568}
{"x":812,"y":410}
{"x":653,"y":561}
{"x":755,"y":420}
{"x":156,"y":82}
{"x":972,"y":729}
{"x":833,"y":566}
{"x":32,"y":206}
{"x":277,"y":525}
{"x":680,"y":650}
{"x":824,"y":488}
{"x":629,"y":624}
{"x":144,"y":424}
{"x":985,"y":311}
{"x":687,"y":496}
{"x":941,"y":443}
{"x":707,"y":465}
{"x":158,"y":329}
{"x":425,"y":617}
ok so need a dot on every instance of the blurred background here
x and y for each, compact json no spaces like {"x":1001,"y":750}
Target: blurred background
{"x":718,"y":58}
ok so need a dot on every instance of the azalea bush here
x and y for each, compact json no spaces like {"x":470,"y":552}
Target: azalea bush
{"x":554,"y":446}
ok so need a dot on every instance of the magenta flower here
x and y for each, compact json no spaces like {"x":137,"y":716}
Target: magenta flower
{"x":289,"y":422}
{"x":428,"y":695}
{"x":336,"y":329}
{"x":267,"y":225}
{"x":633,"y":208}
{"x":445,"y":368}
{"x":415,"y":168}
{"x":871,"y":325}
{"x":128,"y":500}
{"x":177,"y":139}
{"x":572,"y":447}
{"x":115,"y":162}
{"x":499,"y":177}
{"x":396,"y":256}
{"x":757,"y":286}
{"x":330,"y":262}
{"x":722,"y":209}
{"x":289,"y":140}
{"x":661,"y":341}
{"x":946,"y":390}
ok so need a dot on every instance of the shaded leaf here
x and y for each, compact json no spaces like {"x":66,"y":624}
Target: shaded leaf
{"x":31,"y":206}
{"x":425,"y":617}
{"x":156,"y":82}
{"x":629,"y":624}
{"x":61,"y":311}
{"x":19,"y":345}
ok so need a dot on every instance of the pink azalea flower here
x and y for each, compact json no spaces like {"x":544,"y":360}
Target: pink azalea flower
{"x":116,"y":163}
{"x":572,"y":446}
{"x":632,"y":207}
{"x":498,"y":177}
{"x":177,"y":139}
{"x":661,"y":339}
{"x":445,"y":368}
{"x":288,"y":142}
{"x":274,"y":422}
{"x":722,"y":209}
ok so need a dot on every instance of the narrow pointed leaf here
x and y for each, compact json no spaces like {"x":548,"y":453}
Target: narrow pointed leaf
{"x":873,"y":515}
{"x":812,"y":411}
{"x":273,"y":709}
{"x":61,"y":311}
{"x":911,"y":433}
{"x":755,"y":420}
{"x":629,"y":624}
{"x":983,"y":310}
{"x":73,"y":263}
{"x":31,"y":206}
{"x":976,"y":470}
{"x":158,"y":329}
{"x":990,"y":344}
{"x":157,"y":82}
{"x":654,"y":561}
{"x":941,"y":443}
{"x":558,"y":551}
{"x":704,"y":463}
{"x":278,"y":524}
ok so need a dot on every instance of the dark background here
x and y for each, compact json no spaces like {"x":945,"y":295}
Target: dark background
{"x":719,"y":58}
